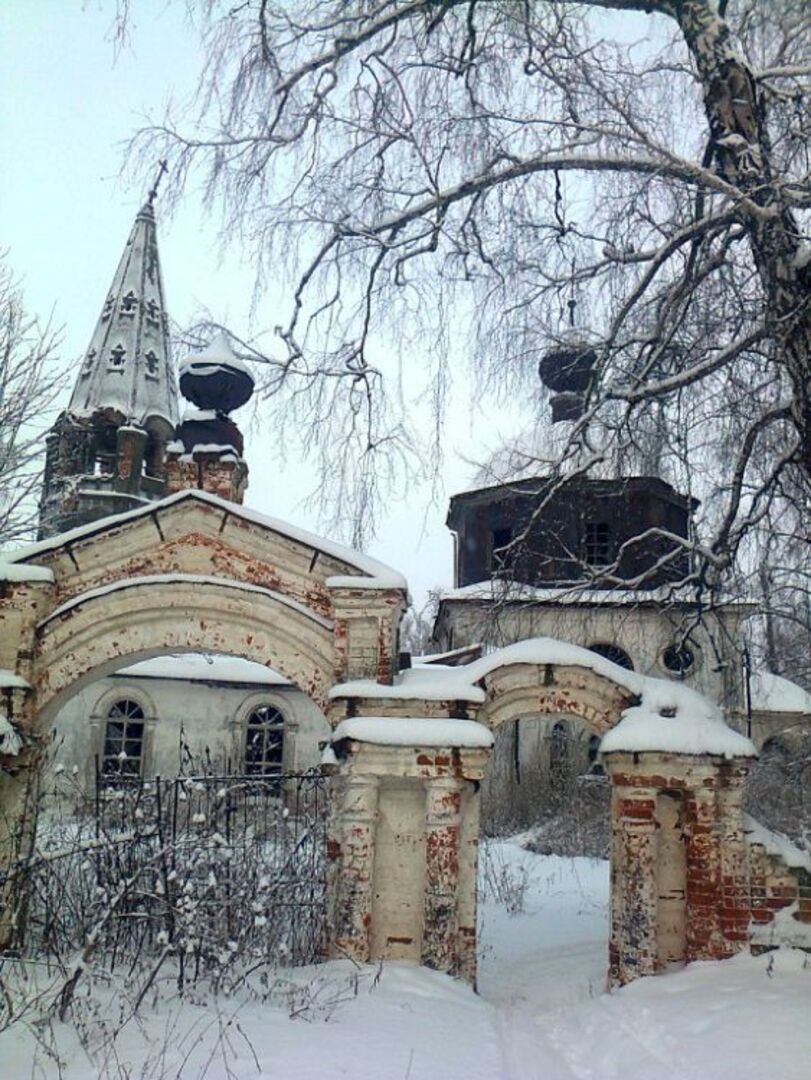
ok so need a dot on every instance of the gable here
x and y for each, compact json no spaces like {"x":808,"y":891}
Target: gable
{"x":194,"y":532}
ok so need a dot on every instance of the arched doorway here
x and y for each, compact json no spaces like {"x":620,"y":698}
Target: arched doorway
{"x":661,"y":739}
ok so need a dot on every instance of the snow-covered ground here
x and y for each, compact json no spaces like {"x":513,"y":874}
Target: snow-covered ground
{"x":542,"y":1011}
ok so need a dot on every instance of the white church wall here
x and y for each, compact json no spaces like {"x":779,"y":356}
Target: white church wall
{"x":644,"y":633}
{"x":208,"y":717}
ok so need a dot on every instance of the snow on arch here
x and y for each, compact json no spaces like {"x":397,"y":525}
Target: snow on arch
{"x":668,"y":717}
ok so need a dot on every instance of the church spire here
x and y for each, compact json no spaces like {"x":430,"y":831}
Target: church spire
{"x":107,"y":452}
{"x":127,"y":373}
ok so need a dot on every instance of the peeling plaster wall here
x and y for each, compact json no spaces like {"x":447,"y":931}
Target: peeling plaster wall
{"x":212,"y":717}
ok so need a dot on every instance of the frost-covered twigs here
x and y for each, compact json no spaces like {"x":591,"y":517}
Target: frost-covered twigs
{"x":501,"y":881}
{"x":200,"y":877}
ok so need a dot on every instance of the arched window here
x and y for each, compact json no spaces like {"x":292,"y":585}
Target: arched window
{"x":613,"y":653}
{"x":123,"y":739}
{"x":264,"y":742}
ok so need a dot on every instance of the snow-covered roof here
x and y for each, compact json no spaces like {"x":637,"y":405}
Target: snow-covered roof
{"x":385,"y":576}
{"x":773,"y":693}
{"x":562,"y":594}
{"x":191,"y":579}
{"x":430,"y":683}
{"x":205,"y":667}
{"x":574,"y":593}
{"x":452,"y":658}
{"x":413,"y":731}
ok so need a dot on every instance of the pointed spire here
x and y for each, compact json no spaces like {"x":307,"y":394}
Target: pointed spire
{"x":127,"y":371}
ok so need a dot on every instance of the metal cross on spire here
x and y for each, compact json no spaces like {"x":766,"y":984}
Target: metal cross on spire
{"x":153,"y":191}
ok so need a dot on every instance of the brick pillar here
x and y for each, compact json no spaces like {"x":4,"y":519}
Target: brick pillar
{"x":442,"y":828}
{"x":130,"y":445}
{"x":736,"y":901}
{"x":468,"y":881}
{"x":350,"y":845}
{"x":634,"y":898}
{"x":704,"y":894}
{"x":222,"y":475}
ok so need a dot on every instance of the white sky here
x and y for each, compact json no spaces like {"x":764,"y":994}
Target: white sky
{"x":69,"y":103}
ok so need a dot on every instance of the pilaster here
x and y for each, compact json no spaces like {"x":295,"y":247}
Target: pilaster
{"x":442,"y":836}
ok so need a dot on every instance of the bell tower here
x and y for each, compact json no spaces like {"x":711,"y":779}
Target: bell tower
{"x":106,"y":453}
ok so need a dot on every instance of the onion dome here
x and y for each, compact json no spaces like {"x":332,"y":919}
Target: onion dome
{"x":215,"y":378}
{"x":566,"y":367}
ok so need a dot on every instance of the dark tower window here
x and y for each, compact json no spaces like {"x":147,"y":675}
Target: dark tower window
{"x":264,"y":742}
{"x":613,"y":653}
{"x":597,"y":544}
{"x":123,"y":740}
{"x":500,"y":539}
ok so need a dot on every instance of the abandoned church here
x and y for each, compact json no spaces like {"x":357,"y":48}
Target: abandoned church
{"x":161,"y":625}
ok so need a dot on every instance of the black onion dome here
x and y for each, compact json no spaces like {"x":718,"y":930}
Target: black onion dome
{"x":567,"y":365}
{"x":215,"y":378}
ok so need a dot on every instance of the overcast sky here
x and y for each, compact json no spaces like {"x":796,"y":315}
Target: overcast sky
{"x":70,"y":100}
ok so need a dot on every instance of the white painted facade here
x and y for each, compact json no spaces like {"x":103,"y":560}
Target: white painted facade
{"x":193,"y":705}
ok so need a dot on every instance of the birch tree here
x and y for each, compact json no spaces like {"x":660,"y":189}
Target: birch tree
{"x":30,"y":384}
{"x":635,"y":168}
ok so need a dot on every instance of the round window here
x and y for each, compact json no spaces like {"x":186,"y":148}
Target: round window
{"x":678,"y":659}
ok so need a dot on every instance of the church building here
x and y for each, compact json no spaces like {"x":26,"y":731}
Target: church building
{"x":119,"y":445}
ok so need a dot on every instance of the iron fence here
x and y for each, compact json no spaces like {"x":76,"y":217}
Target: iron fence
{"x":214,"y":870}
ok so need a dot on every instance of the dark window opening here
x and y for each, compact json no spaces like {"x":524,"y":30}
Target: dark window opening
{"x":594,"y":749}
{"x":123,"y":740}
{"x":500,"y":558}
{"x":678,"y":659}
{"x":264,"y":742}
{"x":597,"y":543}
{"x":613,"y":653}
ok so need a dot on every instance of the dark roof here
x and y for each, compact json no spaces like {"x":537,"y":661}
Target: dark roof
{"x":538,"y":484}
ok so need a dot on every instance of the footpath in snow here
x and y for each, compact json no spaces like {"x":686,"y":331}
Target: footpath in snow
{"x":541,"y":1014}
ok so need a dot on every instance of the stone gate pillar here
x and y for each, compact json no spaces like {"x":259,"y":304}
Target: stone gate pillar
{"x":633,"y":914}
{"x":403,"y":840}
{"x":714,"y":890}
{"x":351,"y":849}
{"x":442,"y":835}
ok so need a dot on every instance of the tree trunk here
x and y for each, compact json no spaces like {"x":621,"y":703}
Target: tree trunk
{"x":736,"y":112}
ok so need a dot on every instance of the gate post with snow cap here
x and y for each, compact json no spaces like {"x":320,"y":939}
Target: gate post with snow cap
{"x":679,"y":867}
{"x":403,"y":872}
